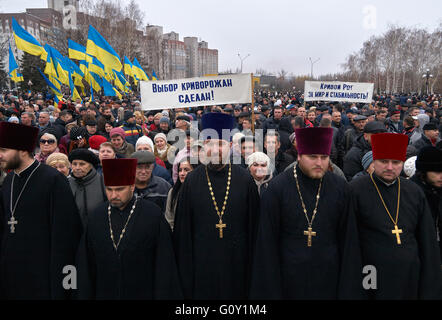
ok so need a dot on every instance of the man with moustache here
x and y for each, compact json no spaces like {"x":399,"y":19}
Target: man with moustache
{"x":126,"y":251}
{"x":40,"y":224}
{"x":215,"y":220}
{"x":396,"y":229}
{"x":307,"y":244}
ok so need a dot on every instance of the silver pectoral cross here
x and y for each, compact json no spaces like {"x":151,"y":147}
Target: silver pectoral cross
{"x":12,"y":222}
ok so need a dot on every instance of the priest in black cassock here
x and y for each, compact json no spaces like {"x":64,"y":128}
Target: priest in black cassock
{"x":126,"y":251}
{"x":396,"y":228}
{"x":307,"y":243}
{"x":215,"y":220}
{"x":41,"y":227}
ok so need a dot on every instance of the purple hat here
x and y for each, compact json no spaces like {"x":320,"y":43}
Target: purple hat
{"x":314,"y":140}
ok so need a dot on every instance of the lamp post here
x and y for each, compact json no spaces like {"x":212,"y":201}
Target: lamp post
{"x":242,"y":59}
{"x":311,"y":65}
{"x":427,"y":77}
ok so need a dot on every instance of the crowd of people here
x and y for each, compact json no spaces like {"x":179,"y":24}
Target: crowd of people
{"x":287,"y":161}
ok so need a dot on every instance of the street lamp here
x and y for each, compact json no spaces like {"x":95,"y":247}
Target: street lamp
{"x":312,"y":63}
{"x":242,"y":59}
{"x":427,"y":76}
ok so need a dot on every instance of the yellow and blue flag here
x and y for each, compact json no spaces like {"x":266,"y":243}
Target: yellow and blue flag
{"x":154,"y":76}
{"x":13,"y":68}
{"x":97,"y":67}
{"x":109,"y":90}
{"x":128,"y":67}
{"x":138,"y":71}
{"x":98,"y":47}
{"x":74,"y":92}
{"x":54,"y":89}
{"x":96,"y":81}
{"x":26,"y":42}
{"x":121,"y":82}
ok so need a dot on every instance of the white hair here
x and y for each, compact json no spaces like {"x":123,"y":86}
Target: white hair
{"x":50,"y":136}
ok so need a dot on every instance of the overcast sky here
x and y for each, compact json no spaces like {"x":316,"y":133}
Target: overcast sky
{"x":280,"y":33}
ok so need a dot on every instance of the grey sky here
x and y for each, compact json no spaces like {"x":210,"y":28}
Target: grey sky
{"x":278,"y":33}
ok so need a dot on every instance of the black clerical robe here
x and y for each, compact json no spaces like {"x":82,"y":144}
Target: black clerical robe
{"x":144,"y":265}
{"x":46,"y":237}
{"x":412,"y":269}
{"x":284,"y":266}
{"x":212,"y":267}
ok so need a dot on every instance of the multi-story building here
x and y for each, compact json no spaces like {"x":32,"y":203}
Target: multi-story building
{"x":175,"y":55}
{"x":164,"y":53}
{"x":207,"y":59}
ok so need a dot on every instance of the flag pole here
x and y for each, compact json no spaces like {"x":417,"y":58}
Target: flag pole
{"x":253,"y":105}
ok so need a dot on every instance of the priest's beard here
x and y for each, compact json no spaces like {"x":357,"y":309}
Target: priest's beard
{"x":216,"y":167}
{"x":12,"y":164}
{"x":313,"y":171}
{"x":121,"y":202}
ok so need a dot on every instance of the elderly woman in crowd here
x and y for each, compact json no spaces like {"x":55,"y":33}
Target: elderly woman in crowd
{"x":184,"y":167}
{"x":118,"y":140}
{"x":48,"y":145}
{"x":163,"y":150}
{"x":145,"y":143}
{"x":60,"y":162}
{"x":259,"y":166}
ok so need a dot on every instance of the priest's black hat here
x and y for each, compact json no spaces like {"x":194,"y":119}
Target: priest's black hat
{"x":18,"y":136}
{"x":429,"y":159}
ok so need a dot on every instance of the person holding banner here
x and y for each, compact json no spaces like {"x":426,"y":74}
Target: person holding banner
{"x":215,"y":220}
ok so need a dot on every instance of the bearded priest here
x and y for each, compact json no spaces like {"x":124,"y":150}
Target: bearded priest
{"x":215,"y":220}
{"x":307,"y":244}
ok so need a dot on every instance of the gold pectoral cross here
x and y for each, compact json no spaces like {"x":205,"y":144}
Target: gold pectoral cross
{"x":220,"y":226}
{"x":309,"y":235}
{"x":397,"y":231}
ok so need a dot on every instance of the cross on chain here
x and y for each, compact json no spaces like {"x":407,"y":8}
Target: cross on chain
{"x":220,"y":226}
{"x":397,"y":231}
{"x":309,"y":234}
{"x":12,"y":222}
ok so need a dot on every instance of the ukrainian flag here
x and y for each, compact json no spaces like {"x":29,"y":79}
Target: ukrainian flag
{"x":51,"y":63}
{"x":128,"y":67}
{"x":55,"y":82}
{"x":109,"y":90}
{"x":77,"y":74}
{"x":13,"y":68}
{"x":84,"y":65}
{"x":138,"y":71}
{"x":54,"y":89}
{"x":56,"y":65}
{"x":154,"y":76}
{"x":26,"y":42}
{"x":74,"y":92}
{"x":77,"y":51}
{"x":121,"y":82}
{"x":98,"y":47}
{"x":96,"y":81}
{"x":97,"y":67}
